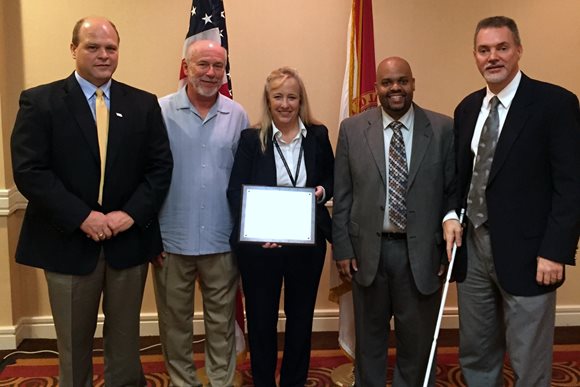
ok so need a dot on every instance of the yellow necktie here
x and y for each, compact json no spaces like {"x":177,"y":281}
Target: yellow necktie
{"x":102,"y":118}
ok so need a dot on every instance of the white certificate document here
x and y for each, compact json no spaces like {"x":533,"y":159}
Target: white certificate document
{"x":283,"y":215}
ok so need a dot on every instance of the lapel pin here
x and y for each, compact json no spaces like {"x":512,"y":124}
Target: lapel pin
{"x":119,"y":115}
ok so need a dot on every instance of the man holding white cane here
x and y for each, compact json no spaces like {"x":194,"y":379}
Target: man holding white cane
{"x":394,"y":182}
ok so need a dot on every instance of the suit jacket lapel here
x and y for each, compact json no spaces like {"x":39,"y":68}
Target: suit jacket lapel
{"x":512,"y":127}
{"x":422,"y":133}
{"x":376,"y":142}
{"x":309,"y":144}
{"x":270,"y":165}
{"x":467,"y":118}
{"x":118,"y":116}
{"x":79,"y":107}
{"x":466,"y":132}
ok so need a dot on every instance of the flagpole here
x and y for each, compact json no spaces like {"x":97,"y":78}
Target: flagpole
{"x":442,"y":307}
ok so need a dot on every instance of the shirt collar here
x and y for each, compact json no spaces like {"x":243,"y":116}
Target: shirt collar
{"x":89,"y":89}
{"x":301,"y":125}
{"x":507,"y":94}
{"x":406,"y":119}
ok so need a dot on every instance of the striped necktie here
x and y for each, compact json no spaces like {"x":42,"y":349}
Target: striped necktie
{"x":398,"y":175}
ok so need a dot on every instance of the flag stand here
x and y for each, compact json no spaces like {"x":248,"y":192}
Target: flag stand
{"x":202,"y":376}
{"x":343,"y":376}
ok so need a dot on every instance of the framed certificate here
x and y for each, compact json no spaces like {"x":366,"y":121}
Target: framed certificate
{"x":284,"y":215}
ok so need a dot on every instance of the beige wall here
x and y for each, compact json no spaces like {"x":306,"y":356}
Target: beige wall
{"x":435,"y":36}
{"x":10,"y":83}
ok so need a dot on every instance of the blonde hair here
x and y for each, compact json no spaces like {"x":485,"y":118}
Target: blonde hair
{"x":273,"y":81}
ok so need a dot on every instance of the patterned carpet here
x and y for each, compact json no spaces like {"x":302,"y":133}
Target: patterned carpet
{"x":43,"y":372}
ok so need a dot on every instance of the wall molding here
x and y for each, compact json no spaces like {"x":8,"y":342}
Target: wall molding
{"x":11,"y":200}
{"x":325,"y":320}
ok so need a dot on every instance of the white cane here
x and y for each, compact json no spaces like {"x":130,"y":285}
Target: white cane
{"x":442,"y":307}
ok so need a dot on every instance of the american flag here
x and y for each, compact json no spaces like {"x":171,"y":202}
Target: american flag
{"x":207,"y":21}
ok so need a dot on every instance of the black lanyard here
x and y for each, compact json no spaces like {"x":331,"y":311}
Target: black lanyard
{"x":294,"y":180}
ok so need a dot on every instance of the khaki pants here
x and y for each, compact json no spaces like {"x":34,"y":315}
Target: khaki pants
{"x":174,"y":293}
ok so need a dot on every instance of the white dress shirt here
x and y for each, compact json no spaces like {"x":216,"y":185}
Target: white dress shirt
{"x":505,"y":96}
{"x":291,"y":152}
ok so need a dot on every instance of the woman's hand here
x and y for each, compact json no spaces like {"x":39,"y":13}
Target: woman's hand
{"x":271,"y":245}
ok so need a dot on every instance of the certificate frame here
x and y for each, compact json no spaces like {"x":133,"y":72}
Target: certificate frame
{"x":284,"y":215}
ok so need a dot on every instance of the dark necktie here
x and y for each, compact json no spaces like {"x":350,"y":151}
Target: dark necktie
{"x":397,"y":178}
{"x":476,"y":201}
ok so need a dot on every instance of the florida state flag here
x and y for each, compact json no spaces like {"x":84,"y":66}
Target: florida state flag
{"x":358,"y":94}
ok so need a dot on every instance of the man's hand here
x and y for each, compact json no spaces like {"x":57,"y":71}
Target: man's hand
{"x":549,"y":272}
{"x":119,"y":221}
{"x":346,"y":268}
{"x":452,"y":233}
{"x":95,"y":226}
{"x":158,"y":260}
{"x":318,"y":191}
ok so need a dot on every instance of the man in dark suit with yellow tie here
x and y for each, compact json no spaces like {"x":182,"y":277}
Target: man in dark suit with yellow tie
{"x":92,"y":157}
{"x":518,"y":155}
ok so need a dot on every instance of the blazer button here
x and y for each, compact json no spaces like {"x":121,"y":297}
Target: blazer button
{"x":382,"y":208}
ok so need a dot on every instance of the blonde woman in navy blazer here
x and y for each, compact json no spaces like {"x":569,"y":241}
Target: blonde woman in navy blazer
{"x":287,"y":140}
